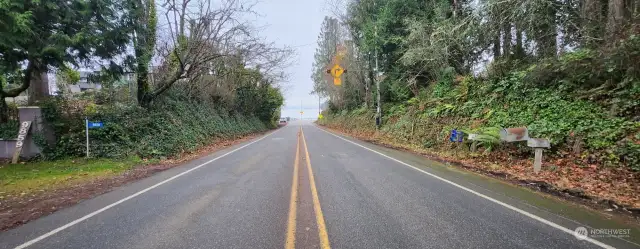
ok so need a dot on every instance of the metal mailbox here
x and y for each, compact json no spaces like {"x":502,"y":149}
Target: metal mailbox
{"x":514,"y":134}
{"x":538,"y":143}
{"x":472,"y":136}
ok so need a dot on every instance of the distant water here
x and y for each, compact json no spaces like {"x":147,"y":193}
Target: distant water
{"x":307,"y":112}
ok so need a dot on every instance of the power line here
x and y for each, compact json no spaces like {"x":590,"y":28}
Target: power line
{"x":303,"y":45}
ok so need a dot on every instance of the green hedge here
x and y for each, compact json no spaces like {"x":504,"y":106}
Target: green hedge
{"x":167,"y":130}
{"x":9,"y":130}
{"x":476,"y":103}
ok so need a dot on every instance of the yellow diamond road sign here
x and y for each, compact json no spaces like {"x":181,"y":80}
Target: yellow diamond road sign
{"x":337,"y":71}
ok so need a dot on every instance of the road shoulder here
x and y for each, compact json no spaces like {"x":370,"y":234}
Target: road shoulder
{"x":21,"y":209}
{"x":569,"y":215}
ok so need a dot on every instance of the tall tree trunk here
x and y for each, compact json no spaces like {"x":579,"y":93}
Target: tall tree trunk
{"x":519,"y":49}
{"x":144,"y":44}
{"x":366,"y":87}
{"x":494,"y":19}
{"x":38,"y":82}
{"x":615,"y":20}
{"x":507,"y":40}
{"x":372,"y":78}
{"x":634,"y":13}
{"x":592,"y":22}
{"x":142,"y":73}
{"x":39,"y":87}
{"x":183,"y":12}
{"x":455,"y":8}
{"x":143,"y":86}
{"x":496,"y":46}
{"x":548,"y":46}
{"x":546,"y":32}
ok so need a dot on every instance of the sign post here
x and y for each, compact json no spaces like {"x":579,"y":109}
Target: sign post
{"x":89,"y":125}
{"x":22,"y":134}
{"x":86,"y":129}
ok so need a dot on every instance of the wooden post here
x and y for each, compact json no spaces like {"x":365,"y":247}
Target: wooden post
{"x":538,"y":144}
{"x":537,"y":163}
{"x":474,"y":144}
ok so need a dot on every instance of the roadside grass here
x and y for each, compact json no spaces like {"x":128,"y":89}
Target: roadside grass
{"x":41,"y":176}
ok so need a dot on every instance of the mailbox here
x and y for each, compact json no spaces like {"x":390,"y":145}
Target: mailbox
{"x":538,"y":143}
{"x":514,"y":134}
{"x":456,"y":136}
{"x":473,"y":136}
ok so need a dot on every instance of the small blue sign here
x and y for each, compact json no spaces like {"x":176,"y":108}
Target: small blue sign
{"x":95,"y":125}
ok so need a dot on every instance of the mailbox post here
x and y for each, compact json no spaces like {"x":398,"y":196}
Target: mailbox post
{"x":522,"y":134}
{"x":472,"y":137}
{"x":538,"y":144}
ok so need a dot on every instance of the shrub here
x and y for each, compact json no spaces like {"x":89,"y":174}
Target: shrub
{"x":487,"y":138}
{"x":9,"y":130}
{"x":168,"y":129}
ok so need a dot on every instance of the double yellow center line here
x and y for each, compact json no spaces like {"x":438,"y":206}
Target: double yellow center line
{"x":291,"y":225}
{"x":293,"y":204}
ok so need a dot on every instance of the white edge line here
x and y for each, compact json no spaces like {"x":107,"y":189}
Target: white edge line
{"x":94,"y":213}
{"x":525,"y":213}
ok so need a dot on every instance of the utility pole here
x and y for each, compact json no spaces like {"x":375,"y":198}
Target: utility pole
{"x":377,"y":73}
{"x":319,"y":109}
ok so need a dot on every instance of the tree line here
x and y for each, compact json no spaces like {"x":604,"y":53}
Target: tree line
{"x":409,"y":44}
{"x":566,"y":69}
{"x":206,"y":51}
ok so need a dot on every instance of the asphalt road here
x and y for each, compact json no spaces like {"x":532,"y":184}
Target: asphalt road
{"x":346,"y":194}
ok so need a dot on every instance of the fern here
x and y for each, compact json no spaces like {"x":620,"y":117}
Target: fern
{"x":488,"y":138}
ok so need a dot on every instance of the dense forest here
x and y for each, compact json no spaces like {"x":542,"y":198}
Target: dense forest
{"x":174,"y":74}
{"x":566,"y":69}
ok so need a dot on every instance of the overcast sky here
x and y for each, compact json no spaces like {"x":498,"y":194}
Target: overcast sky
{"x":297,"y":24}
